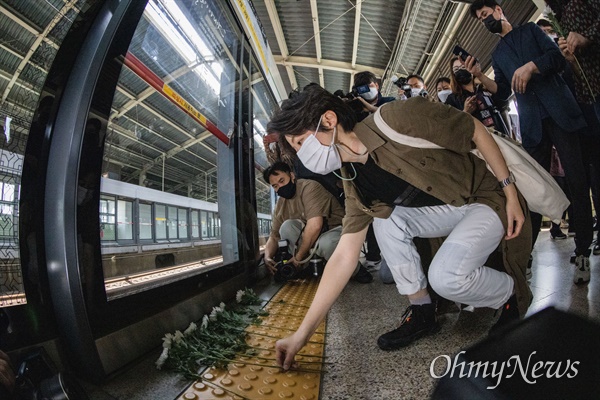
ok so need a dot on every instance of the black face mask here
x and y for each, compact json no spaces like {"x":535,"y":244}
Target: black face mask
{"x":287,"y":191}
{"x":493,"y":25}
{"x":463,"y":77}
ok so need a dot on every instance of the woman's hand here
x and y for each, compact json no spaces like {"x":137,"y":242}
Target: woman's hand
{"x":470,"y":104}
{"x":576,"y":41}
{"x":287,"y":348}
{"x":562,"y":45}
{"x":514,"y":216}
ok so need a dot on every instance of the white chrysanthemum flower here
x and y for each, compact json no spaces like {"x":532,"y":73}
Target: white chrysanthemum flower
{"x":163,"y":357}
{"x":204,"y":322}
{"x":239,"y":295}
{"x":190,"y":328}
{"x":178,"y":336}
{"x":167,"y":340}
{"x":222,"y":306}
{"x":213,"y":314}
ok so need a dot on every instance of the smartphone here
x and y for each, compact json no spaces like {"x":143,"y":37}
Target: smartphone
{"x":462,"y":53}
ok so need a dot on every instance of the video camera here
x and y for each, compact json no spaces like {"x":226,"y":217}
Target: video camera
{"x":284,"y":271}
{"x":402,"y":83}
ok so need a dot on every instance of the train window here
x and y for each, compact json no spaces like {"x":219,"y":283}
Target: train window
{"x":8,"y":216}
{"x":195,"y":224}
{"x":124,"y":220}
{"x":204,"y":224}
{"x":160,"y":219}
{"x":182,"y":222}
{"x":172,"y":223}
{"x":209,"y":224}
{"x":108,"y":218}
{"x":145,"y":221}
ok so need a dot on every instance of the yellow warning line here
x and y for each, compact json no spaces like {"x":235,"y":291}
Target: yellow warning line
{"x":258,"y":377}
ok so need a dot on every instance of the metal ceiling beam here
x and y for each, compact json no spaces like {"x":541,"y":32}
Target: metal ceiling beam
{"x":339,"y":66}
{"x":276,"y":24}
{"x":16,"y":54}
{"x":358,"y":10}
{"x":41,"y":36}
{"x":317,"y":30}
{"x":26,"y":25}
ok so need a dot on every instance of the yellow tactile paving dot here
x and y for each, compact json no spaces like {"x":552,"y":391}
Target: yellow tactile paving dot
{"x":258,"y":377}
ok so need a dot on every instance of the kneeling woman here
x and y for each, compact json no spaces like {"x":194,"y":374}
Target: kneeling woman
{"x":412,"y":192}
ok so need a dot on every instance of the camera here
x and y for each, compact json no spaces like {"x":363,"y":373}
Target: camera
{"x":402,"y":83}
{"x":284,"y":271}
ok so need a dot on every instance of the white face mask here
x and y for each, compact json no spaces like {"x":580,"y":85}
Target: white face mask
{"x":373,"y":92}
{"x":443,"y":95}
{"x":319,"y":158}
{"x":416,"y":92}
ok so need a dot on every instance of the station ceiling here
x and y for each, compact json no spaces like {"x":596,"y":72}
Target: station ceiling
{"x":328,"y":41}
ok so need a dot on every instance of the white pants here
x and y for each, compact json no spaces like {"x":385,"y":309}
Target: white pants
{"x":456,"y":272}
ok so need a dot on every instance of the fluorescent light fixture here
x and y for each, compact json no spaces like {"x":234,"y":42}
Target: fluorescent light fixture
{"x":259,"y":132}
{"x":162,"y":22}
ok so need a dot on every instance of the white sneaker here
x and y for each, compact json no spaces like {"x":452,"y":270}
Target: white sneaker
{"x":582,"y":269}
{"x":373,"y":265}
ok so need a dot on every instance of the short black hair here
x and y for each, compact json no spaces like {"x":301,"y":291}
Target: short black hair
{"x":479,"y":4}
{"x":419,"y":77}
{"x":442,"y":79}
{"x":272,"y":169}
{"x":303,"y":112}
{"x":364,"y":78}
{"x":543,"y":22}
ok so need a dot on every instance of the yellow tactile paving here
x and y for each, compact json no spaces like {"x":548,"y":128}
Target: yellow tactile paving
{"x":258,"y":377}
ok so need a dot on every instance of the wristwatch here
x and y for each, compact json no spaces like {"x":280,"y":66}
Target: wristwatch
{"x":505,"y":182}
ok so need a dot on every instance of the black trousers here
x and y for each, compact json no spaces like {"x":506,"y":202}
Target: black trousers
{"x":569,"y":150}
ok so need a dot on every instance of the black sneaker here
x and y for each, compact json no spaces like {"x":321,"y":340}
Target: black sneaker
{"x":596,"y":249}
{"x":363,"y":276}
{"x":572,"y":258}
{"x":417,"y":321}
{"x":510,"y":313}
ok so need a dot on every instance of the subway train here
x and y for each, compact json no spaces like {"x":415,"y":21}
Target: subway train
{"x":145,"y":232}
{"x":134,"y":214}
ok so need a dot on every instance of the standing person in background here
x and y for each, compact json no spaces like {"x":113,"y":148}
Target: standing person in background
{"x":471,"y":97}
{"x":372,"y":99}
{"x":417,"y":86}
{"x":580,"y":22}
{"x":528,"y":62}
{"x":443,"y":88}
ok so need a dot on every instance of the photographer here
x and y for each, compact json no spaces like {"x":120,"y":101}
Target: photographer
{"x":305,"y":213}
{"x":371,"y":99}
{"x":472,"y":98}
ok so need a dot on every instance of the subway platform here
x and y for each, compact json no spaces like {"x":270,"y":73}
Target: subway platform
{"x":357,"y":368}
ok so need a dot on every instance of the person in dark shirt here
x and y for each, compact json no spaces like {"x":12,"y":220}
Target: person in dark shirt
{"x":472,"y":98}
{"x":529,"y":63}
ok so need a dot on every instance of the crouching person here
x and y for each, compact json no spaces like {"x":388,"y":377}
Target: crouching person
{"x":413,"y":192}
{"x":308,"y":217}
